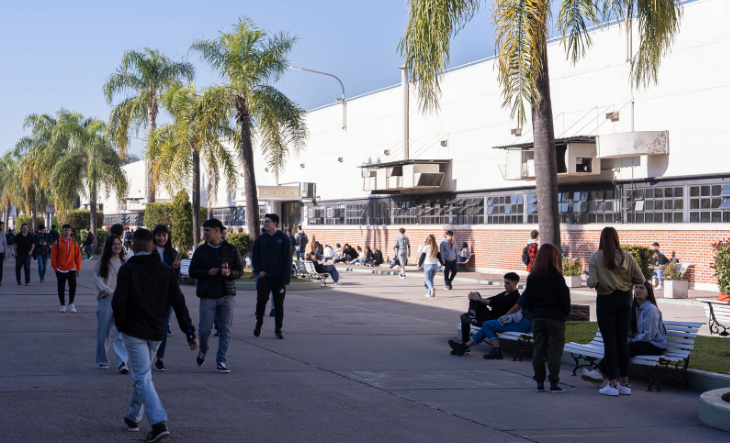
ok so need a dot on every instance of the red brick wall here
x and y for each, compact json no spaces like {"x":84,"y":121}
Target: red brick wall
{"x":502,"y":249}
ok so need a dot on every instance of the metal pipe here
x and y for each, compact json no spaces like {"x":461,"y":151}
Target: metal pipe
{"x":406,"y":96}
{"x":344,"y":101}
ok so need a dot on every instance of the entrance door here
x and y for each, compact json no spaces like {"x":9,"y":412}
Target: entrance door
{"x":291,"y":214}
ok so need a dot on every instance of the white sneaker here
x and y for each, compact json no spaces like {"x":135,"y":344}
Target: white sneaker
{"x":592,"y":375}
{"x":71,"y":307}
{"x":338,"y":283}
{"x":609,"y":390}
{"x":63,"y":309}
{"x":624,"y":390}
{"x":103,"y":367}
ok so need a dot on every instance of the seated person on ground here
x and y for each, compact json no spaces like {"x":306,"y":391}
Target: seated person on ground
{"x":517,"y":319}
{"x":360,"y":259}
{"x":484,"y":309}
{"x":328,"y":252}
{"x":646,"y":332}
{"x":368,"y":260}
{"x":658,"y":260}
{"x":324,"y":269}
{"x":377,"y":257}
{"x":464,"y":253}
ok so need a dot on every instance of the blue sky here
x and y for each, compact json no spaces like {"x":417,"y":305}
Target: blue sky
{"x":59,"y":54}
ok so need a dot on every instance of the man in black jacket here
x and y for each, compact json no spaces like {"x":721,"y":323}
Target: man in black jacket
{"x":216,"y":265}
{"x":271,"y":260}
{"x":291,"y":238}
{"x":479,"y":307}
{"x":145,"y":289}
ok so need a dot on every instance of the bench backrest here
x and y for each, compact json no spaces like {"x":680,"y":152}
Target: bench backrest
{"x":184,"y":266}
{"x":309,"y":266}
{"x":720,"y":309}
{"x":301,"y":267}
{"x":680,"y":339}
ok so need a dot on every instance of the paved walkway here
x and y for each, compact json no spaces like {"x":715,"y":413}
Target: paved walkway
{"x":363,"y":362}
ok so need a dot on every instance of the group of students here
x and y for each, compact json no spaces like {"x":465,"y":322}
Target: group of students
{"x":630,"y":325}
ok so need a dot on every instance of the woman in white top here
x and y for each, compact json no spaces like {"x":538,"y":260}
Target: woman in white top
{"x":328,"y":252}
{"x":430,"y":259}
{"x":105,"y":277}
{"x":464,"y":253}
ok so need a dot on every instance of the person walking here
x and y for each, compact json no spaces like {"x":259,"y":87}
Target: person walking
{"x":402,"y":251}
{"x":612,"y":271}
{"x":127,"y":239}
{"x":170,"y":257}
{"x":292,"y":240}
{"x":547,"y":297}
{"x":216,"y":265}
{"x":42,"y":240}
{"x":145,"y":288}
{"x":271,"y":260}
{"x":66,"y":262}
{"x":105,"y":279}
{"x":88,"y":244}
{"x":430,"y":259}
{"x":23,"y":246}
{"x":530,"y":251}
{"x":448,"y":255}
{"x":301,"y":242}
{"x":11,"y":241}
{"x":53,"y":235}
{"x":4,"y":249}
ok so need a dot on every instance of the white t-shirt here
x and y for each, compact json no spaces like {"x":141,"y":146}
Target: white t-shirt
{"x":429,"y":260}
{"x":328,"y":251}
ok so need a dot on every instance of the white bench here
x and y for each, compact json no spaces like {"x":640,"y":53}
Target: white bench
{"x":465,"y":262}
{"x":718,"y":316}
{"x":184,"y":269}
{"x":680,"y":340}
{"x":312,"y":272}
{"x":523,"y":339}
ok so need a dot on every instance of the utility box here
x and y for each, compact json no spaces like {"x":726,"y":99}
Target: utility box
{"x":308,"y":190}
{"x":582,"y":159}
{"x":632,"y":144}
{"x":520,"y":165}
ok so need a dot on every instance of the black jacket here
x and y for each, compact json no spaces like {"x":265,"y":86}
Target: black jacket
{"x":273,"y":255}
{"x":322,"y":269}
{"x":204,"y":259}
{"x":146,"y":288}
{"x":423,"y":259}
{"x":351,"y":252}
{"x":292,"y":240}
{"x":53,"y":235}
{"x":503,"y":302}
{"x":377,"y":258}
{"x":549,"y":298}
{"x":42,"y":249}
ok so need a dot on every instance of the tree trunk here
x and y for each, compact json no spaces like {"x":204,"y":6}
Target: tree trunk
{"x":151,"y":125}
{"x":249,"y":177}
{"x":546,"y":167}
{"x":34,"y":223}
{"x":92,"y":215}
{"x":196,"y":197}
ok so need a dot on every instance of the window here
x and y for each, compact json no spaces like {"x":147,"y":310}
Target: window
{"x":467,"y":211}
{"x":334,"y":215}
{"x":379,"y":213}
{"x":532,"y":208}
{"x":709,"y":204}
{"x":434,"y":212}
{"x":655,"y":205}
{"x":405,"y":212}
{"x":602,"y":207}
{"x":316,"y":215}
{"x":506,"y":209}
{"x":355,"y":214}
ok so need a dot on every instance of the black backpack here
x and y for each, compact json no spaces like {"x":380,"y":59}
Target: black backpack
{"x":526,"y":255}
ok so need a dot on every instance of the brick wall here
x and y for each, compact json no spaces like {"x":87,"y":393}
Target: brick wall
{"x":501,"y":250}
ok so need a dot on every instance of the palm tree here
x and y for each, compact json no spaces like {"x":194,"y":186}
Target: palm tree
{"x":90,"y":165}
{"x":251,"y":60}
{"x":143,"y":76}
{"x":202,"y":123}
{"x":12,"y":192}
{"x":522,"y":64}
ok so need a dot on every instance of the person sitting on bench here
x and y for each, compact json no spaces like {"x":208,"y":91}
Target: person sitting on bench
{"x":646,"y":332}
{"x":464,"y":253}
{"x":324,"y":269}
{"x":517,"y":319}
{"x":484,"y":309}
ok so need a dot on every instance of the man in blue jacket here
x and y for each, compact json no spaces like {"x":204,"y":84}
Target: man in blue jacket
{"x":271,"y":260}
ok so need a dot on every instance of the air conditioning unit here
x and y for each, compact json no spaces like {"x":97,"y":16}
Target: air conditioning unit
{"x":308,"y":190}
{"x":520,"y":165}
{"x":333,"y":212}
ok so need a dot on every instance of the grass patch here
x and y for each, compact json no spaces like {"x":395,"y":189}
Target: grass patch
{"x":247,"y":277}
{"x":709,"y":353}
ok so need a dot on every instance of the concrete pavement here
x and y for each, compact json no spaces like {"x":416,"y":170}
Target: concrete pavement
{"x":365,"y":361}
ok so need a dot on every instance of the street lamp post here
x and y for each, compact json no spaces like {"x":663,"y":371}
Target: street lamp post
{"x":343,"y":100}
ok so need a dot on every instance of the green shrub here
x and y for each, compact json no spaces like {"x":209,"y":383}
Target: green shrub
{"x":158,"y":214}
{"x":27,"y":219}
{"x":572,"y":268}
{"x":80,"y":219}
{"x":241,"y":241}
{"x":54,"y":221}
{"x":643,"y":255}
{"x":671,"y":272}
{"x":722,"y":264}
{"x":182,"y":221}
{"x":101,"y":237}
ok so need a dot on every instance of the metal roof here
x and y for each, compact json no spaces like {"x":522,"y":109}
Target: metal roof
{"x":404,"y":162}
{"x":529,"y":145}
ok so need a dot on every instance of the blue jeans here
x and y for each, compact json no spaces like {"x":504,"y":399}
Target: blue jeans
{"x":87,"y":249}
{"x":222,"y":310}
{"x":163,"y":346}
{"x":333,"y":273}
{"x":42,"y":262}
{"x":429,"y":272}
{"x":144,"y":397}
{"x":104,"y":331}
{"x":300,"y":254}
{"x":659,"y":275}
{"x":491,"y":327}
{"x":22,"y":261}
{"x":449,"y":268}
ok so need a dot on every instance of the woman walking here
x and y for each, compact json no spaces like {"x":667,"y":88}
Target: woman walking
{"x":646,"y":331}
{"x":611,"y":271}
{"x":547,"y":297}
{"x":105,"y":277}
{"x":170,"y":257}
{"x":431,"y":260}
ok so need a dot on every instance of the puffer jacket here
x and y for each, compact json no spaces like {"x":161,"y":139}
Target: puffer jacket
{"x":202,"y":261}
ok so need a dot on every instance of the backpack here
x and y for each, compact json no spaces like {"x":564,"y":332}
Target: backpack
{"x":526,"y":254}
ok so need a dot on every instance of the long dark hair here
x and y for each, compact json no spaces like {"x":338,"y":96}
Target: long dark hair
{"x":633,"y":328}
{"x":169,"y":249}
{"x":609,"y":244}
{"x":106,"y":255}
{"x":548,"y":256}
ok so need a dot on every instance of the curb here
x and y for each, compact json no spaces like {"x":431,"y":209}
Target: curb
{"x":295,"y":286}
{"x":715,"y":410}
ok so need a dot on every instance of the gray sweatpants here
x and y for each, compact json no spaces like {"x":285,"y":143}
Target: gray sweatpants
{"x":402,"y":260}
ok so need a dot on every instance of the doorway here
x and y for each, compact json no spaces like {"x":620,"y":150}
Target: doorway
{"x":291,"y":215}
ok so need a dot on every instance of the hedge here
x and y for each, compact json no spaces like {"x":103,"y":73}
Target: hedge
{"x":178,"y":216}
{"x":27,"y":219}
{"x":80,"y":219}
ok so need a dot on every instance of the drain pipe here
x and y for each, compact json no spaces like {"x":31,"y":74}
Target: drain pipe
{"x":404,"y":83}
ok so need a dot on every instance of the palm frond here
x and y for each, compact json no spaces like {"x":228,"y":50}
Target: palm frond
{"x":658,"y":25}
{"x":573,"y":21}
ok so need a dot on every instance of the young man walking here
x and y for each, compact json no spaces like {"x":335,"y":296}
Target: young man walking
{"x":216,"y":265}
{"x":145,"y":289}
{"x":402,"y":251}
{"x":271,"y":260}
{"x":53,"y":235}
{"x":530,"y":251}
{"x":23,"y":246}
{"x":66,"y":262}
{"x":4,"y":250}
{"x":42,"y":250}
{"x":89,"y":244}
{"x":301,"y":240}
{"x":448,"y":255}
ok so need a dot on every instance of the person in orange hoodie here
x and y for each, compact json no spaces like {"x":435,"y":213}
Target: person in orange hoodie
{"x":66,"y":261}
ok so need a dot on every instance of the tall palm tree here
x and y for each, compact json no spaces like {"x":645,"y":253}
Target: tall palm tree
{"x":90,"y":165}
{"x":522,"y":63}
{"x":202,"y":123}
{"x":11,"y":193}
{"x":251,"y":60}
{"x":143,"y":76}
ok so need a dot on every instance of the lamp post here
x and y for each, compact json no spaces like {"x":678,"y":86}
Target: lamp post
{"x":343,"y":100}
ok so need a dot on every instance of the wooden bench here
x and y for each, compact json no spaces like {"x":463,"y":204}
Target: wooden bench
{"x":680,"y":340}
{"x":718,"y":316}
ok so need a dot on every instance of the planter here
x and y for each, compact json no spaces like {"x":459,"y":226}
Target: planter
{"x":573,"y":281}
{"x":676,"y":288}
{"x":715,"y":409}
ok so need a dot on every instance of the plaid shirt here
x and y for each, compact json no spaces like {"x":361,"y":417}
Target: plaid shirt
{"x":531,"y":252}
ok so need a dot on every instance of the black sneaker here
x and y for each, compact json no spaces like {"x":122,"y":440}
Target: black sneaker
{"x":257,"y":328}
{"x":123,"y":369}
{"x":131,"y":426}
{"x":160,"y":367}
{"x":467,"y":352}
{"x":279,"y":335}
{"x":200,"y":359}
{"x":221,"y":367}
{"x":556,"y":389}
{"x":272,"y":313}
{"x":496,"y":354}
{"x":540,"y":388}
{"x":158,"y":432}
{"x":169,"y":332}
{"x":459,"y":348}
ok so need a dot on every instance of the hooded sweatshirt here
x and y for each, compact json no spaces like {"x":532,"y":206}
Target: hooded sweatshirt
{"x":650,"y":325}
{"x":620,"y":278}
